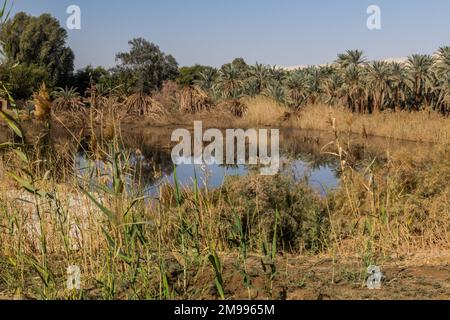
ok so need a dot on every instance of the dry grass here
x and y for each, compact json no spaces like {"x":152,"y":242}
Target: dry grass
{"x":129,"y":247}
{"x":263,"y":111}
{"x":414,"y":126}
{"x":42,"y":102}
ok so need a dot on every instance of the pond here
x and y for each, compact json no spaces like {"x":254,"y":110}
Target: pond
{"x":301,"y":152}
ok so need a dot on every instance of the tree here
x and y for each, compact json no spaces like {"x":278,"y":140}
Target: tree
{"x":353,"y":88}
{"x":83,"y":78}
{"x":189,"y":76}
{"x":443,"y":62}
{"x":420,"y":78}
{"x":38,"y":41}
{"x":351,"y":58}
{"x":150,"y":65}
{"x":206,"y":79}
{"x":397,"y":90}
{"x":230,"y":82}
{"x":260,"y":77}
{"x":22,"y":80}
{"x":378,"y":77}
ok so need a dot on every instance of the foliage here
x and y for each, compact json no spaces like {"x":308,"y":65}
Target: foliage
{"x":149,"y":64}
{"x":66,"y":99}
{"x":191,"y":75}
{"x":38,"y":41}
{"x":21,"y":79}
{"x":83,"y":78}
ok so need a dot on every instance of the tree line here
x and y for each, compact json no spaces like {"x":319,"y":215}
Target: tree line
{"x":35,"y":52}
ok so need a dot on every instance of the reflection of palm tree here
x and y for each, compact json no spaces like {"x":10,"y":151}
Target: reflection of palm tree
{"x":229,"y":166}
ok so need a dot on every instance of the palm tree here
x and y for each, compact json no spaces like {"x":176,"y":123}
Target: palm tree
{"x":353,"y":88}
{"x":420,"y":78}
{"x":314,"y":79}
{"x":206,"y":79}
{"x":444,"y":96}
{"x":295,"y":89}
{"x":331,"y":88}
{"x":229,"y":82}
{"x":397,"y":91}
{"x":194,"y":99}
{"x":351,"y":58}
{"x":443,"y":62}
{"x":142,"y":104}
{"x":378,"y":77}
{"x":260,"y":77}
{"x":67,"y":99}
{"x":277,"y":92}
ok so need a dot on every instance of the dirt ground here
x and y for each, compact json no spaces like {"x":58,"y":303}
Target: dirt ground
{"x":423,"y":276}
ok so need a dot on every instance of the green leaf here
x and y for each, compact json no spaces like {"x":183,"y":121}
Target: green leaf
{"x":28,"y":187}
{"x":12,"y":123}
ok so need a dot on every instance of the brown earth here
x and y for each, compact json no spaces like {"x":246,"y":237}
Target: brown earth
{"x":421,"y":276}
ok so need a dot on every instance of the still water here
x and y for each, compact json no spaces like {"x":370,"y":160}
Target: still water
{"x":302,"y":157}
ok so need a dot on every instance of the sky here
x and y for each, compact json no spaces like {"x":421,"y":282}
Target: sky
{"x":276,"y":32}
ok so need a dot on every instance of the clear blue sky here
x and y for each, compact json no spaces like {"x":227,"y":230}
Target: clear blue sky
{"x":281,"y":32}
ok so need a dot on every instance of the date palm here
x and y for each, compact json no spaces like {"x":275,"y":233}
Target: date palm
{"x":397,"y":92}
{"x":354,"y":89}
{"x":295,"y":89}
{"x":420,"y":78}
{"x":194,"y":99}
{"x":276,"y":91}
{"x":443,"y":62}
{"x":314,"y":79}
{"x":229,"y":82}
{"x":206,"y":79}
{"x":378,"y":77}
{"x":331,"y":88}
{"x":444,"y":96}
{"x":260,"y":76}
{"x":351,"y":58}
{"x":141,"y":104}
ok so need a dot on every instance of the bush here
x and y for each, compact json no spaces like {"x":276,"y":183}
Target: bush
{"x":256,"y":199}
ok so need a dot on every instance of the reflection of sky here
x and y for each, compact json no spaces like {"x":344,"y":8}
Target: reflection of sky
{"x":321,"y":179}
{"x":211,"y":176}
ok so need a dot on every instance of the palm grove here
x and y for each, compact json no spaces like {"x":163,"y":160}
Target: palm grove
{"x":146,"y":80}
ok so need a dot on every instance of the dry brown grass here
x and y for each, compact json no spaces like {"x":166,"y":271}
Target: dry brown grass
{"x":43,"y":103}
{"x":263,"y":111}
{"x":415,"y":126}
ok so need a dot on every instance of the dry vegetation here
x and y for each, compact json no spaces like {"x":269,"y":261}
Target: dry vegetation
{"x":414,"y":126}
{"x":255,"y":237}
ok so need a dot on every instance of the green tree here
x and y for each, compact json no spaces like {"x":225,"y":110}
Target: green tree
{"x":189,"y":76}
{"x":378,"y":77}
{"x":38,"y":41}
{"x":149,"y":64}
{"x":351,"y":58}
{"x":420,"y":78}
{"x":83,"y":78}
{"x":22,"y":80}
